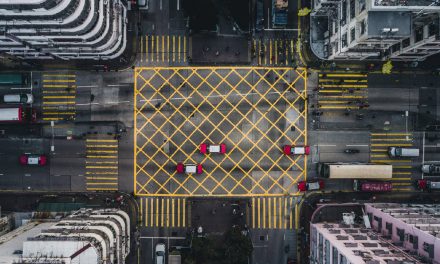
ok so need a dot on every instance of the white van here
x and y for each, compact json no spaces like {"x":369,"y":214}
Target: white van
{"x":18,"y":98}
{"x":403,"y":152}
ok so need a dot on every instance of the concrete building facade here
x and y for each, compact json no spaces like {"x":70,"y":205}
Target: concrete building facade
{"x":406,"y":30}
{"x":85,"y":237}
{"x":63,"y":29}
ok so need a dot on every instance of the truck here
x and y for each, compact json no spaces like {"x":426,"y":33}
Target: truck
{"x":372,"y":186}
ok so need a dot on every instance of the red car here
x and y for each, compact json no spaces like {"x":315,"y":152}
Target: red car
{"x":33,"y":159}
{"x":296,"y":150}
{"x":189,"y":168}
{"x":206,"y":148}
{"x":310,"y":186}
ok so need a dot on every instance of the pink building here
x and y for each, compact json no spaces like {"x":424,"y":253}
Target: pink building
{"x":415,"y":227}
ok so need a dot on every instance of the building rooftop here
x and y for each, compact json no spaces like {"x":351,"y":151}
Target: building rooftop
{"x":361,"y":245}
{"x":425,"y":217}
{"x":389,"y":24}
{"x":405,"y":2}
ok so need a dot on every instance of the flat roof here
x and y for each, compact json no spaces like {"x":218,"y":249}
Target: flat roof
{"x":378,"y":20}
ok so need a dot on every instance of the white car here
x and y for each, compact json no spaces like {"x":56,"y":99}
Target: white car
{"x":160,"y":253}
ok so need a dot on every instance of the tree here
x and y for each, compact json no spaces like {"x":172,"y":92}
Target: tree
{"x":238,"y":247}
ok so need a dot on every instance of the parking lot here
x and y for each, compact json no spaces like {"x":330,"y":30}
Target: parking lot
{"x":253,"y":110}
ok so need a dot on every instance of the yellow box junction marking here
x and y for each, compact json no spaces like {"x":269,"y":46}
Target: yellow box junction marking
{"x":59,"y":93}
{"x":224,"y":91}
{"x":342,"y":91}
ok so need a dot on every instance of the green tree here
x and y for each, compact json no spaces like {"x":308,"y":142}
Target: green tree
{"x":238,"y":247}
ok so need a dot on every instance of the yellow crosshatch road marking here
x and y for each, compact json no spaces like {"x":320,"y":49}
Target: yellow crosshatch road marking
{"x":279,"y":214}
{"x":102,"y":168}
{"x":402,"y":168}
{"x":253,"y":110}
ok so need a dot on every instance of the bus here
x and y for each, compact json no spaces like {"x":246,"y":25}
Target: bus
{"x":17,"y":114}
{"x":13,"y":79}
{"x":355,"y":171}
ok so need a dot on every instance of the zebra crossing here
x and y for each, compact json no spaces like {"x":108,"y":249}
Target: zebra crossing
{"x":273,"y":52}
{"x":167,"y":49}
{"x":273,"y":212}
{"x":347,"y":91}
{"x":163,"y":212}
{"x":101,"y":163}
{"x":402,"y":168}
{"x":58,"y":94}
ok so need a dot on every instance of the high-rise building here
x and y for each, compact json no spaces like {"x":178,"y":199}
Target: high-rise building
{"x":375,"y":29}
{"x":86,"y":237}
{"x":63,"y":29}
{"x":393,"y":233}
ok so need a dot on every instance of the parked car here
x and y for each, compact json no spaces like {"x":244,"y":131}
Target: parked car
{"x":431,"y":168}
{"x":207,"y":148}
{"x":296,"y":150}
{"x":310,"y":186}
{"x":160,"y":253}
{"x":18,"y":98}
{"x":33,"y":159}
{"x":370,"y":186}
{"x":189,"y":168}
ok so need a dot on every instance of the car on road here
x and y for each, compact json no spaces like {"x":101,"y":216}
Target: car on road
{"x":431,"y":169}
{"x":207,"y":148}
{"x":18,"y":98}
{"x":159,"y":254}
{"x":310,"y":186}
{"x":296,"y":150}
{"x":426,"y":185}
{"x":351,"y":151}
{"x":403,"y":152}
{"x":372,"y":186}
{"x":189,"y":168}
{"x":33,"y":159}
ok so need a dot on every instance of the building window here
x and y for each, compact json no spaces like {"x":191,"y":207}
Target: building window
{"x":400,"y":233}
{"x":406,"y":43}
{"x":320,"y":248}
{"x":335,"y":255}
{"x":342,"y":259}
{"x":352,"y":34}
{"x":344,"y":40}
{"x":327,"y":252}
{"x":352,"y":9}
{"x":344,"y":12}
{"x":433,"y":28}
{"x":363,"y":27}
{"x":361,"y":5}
{"x":419,"y":34}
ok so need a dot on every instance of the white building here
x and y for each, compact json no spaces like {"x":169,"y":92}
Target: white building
{"x":63,"y":29}
{"x":85,"y":237}
{"x":406,"y":30}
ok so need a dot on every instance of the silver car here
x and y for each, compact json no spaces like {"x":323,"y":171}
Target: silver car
{"x":431,"y":169}
{"x":160,"y":253}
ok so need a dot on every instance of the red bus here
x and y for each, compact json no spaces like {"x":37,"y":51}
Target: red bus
{"x":368,"y":186}
{"x":17,"y":114}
